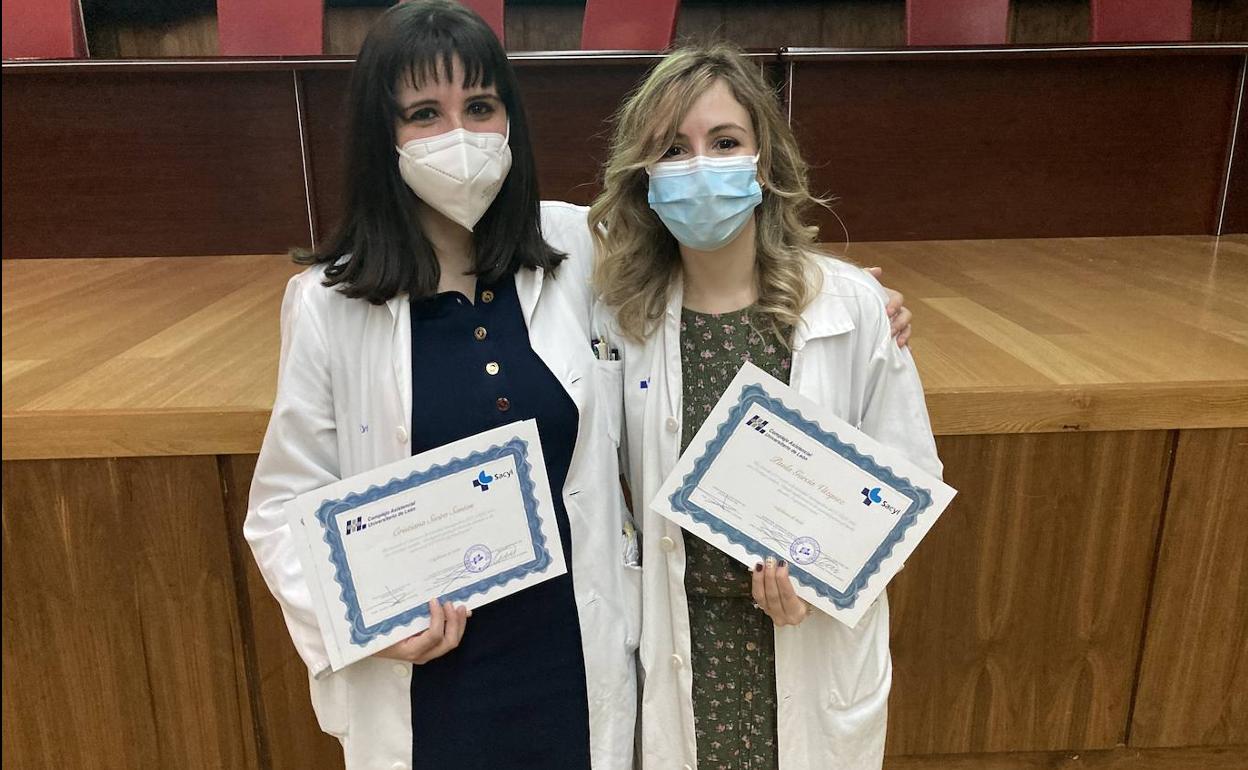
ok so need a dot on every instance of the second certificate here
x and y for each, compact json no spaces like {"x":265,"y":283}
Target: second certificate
{"x":771,"y":474}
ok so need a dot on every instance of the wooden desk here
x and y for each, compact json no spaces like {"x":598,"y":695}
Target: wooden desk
{"x":141,"y":357}
{"x":1076,"y":334}
{"x":1091,"y":396}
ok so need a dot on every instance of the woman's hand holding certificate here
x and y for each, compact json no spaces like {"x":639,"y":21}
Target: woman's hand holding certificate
{"x":446,"y":628}
{"x":773,"y":594}
{"x":772,"y":475}
{"x":466,"y":523}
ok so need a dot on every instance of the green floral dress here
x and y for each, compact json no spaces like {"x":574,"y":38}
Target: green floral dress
{"x":734,"y":673}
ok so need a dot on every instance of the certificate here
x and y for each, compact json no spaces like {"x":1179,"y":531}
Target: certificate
{"x":469,"y":522}
{"x":772,"y":474}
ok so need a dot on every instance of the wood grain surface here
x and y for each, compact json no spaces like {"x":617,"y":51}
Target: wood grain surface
{"x":1016,"y":626}
{"x":1122,"y":758}
{"x":187,"y":158}
{"x":1235,"y":214}
{"x":922,"y":149}
{"x":121,"y":357}
{"x":1194,"y":679}
{"x":288,"y":734}
{"x":104,"y":164}
{"x":1075,"y":334}
{"x":173,"y":356}
{"x":122,"y":639}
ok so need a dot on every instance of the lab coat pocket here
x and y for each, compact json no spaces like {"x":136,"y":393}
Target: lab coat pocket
{"x":609,"y":392}
{"x":331,"y":702}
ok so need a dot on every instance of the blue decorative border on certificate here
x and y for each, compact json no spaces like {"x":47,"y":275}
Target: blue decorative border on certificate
{"x":329,"y":511}
{"x":921,"y":499}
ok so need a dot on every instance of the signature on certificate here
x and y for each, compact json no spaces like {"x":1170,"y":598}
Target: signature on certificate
{"x":454,"y":576}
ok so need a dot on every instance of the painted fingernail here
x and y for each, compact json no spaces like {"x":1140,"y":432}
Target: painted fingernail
{"x":782,"y":563}
{"x":758,"y":567}
{"x":770,"y":562}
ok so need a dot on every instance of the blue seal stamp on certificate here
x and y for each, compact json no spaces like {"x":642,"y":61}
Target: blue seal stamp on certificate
{"x":804,"y":550}
{"x":477,"y":558}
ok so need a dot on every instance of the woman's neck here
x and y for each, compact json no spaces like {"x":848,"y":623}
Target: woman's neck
{"x":453,"y":246}
{"x":724,"y":280}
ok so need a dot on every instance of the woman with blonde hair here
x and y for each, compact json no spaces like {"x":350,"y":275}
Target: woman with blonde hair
{"x":705,"y":261}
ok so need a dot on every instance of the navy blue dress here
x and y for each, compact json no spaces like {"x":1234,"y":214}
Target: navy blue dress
{"x":512,"y":695}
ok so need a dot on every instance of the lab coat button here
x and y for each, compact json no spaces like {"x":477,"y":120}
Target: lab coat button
{"x":399,"y":766}
{"x":401,"y":434}
{"x":402,"y":670}
{"x":677,"y":661}
{"x":672,"y":425}
{"x":667,"y":544}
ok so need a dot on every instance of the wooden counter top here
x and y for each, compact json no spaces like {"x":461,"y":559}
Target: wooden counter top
{"x":177,"y":356}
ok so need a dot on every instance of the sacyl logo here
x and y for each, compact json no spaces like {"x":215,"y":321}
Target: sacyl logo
{"x":484,"y":480}
{"x":355,"y":525}
{"x":757,"y":423}
{"x":872,"y":495}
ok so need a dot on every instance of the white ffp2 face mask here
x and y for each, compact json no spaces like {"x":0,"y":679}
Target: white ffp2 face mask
{"x":458,"y":173}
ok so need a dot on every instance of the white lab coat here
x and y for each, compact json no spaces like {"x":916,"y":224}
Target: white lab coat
{"x":832,"y":682}
{"x":344,"y":406}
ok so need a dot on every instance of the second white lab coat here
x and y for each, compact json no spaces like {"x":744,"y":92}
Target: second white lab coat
{"x":833,"y":681}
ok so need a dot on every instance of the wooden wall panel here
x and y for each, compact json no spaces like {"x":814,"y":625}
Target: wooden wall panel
{"x":191,"y":36}
{"x":1220,"y":20}
{"x":985,"y":147}
{"x":102,"y":164}
{"x":756,"y":26}
{"x":325,"y":117}
{"x":122,"y":640}
{"x":1194,"y":679}
{"x":1016,"y":624}
{"x":290,"y":736}
{"x":1050,"y":21}
{"x":568,"y":109}
{"x":208,"y":159}
{"x":555,"y":27}
{"x":1121,"y":758}
{"x":1235,"y":219}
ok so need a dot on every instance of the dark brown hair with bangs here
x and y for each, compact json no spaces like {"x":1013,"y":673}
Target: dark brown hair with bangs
{"x":379,"y":250}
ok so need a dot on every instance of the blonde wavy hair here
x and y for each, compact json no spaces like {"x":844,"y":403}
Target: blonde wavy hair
{"x":637,"y":257}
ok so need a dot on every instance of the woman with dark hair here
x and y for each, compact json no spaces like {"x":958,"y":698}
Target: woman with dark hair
{"x":451,"y":301}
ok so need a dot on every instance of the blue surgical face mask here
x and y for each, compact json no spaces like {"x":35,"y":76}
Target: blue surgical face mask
{"x":705,"y":202}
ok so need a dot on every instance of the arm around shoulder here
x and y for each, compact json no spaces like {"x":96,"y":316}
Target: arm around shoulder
{"x":894,"y":405}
